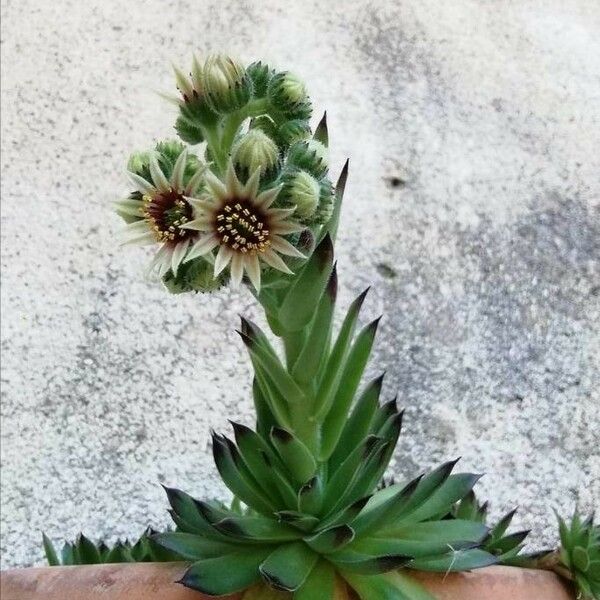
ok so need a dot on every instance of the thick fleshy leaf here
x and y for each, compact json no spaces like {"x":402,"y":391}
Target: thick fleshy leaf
{"x":298,"y":306}
{"x":50,"y":552}
{"x":330,"y":540}
{"x":192,"y":546}
{"x":311,"y":495}
{"x":354,"y":367}
{"x":315,"y":347}
{"x":288,"y":567}
{"x":299,"y":520}
{"x":235,"y":479}
{"x":366,"y":564}
{"x":294,"y":454}
{"x":228,"y":573}
{"x":319,"y":585}
{"x":87,"y":552}
{"x":276,"y":373}
{"x":257,"y":529}
{"x":357,"y":427}
{"x":265,"y":419}
{"x":331,"y":228}
{"x":334,"y":366}
{"x":461,"y":560}
{"x":389,"y":586}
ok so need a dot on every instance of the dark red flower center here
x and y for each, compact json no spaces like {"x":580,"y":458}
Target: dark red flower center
{"x":167,"y":212}
{"x":242,"y":226}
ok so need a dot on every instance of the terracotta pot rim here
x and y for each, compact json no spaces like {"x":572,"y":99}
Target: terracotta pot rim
{"x":157,"y":581}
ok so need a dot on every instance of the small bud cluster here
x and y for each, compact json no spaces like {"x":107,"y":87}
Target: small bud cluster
{"x":255,"y":117}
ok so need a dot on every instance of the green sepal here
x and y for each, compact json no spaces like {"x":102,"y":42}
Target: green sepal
{"x":298,"y":305}
{"x":288,"y":567}
{"x":298,"y":458}
{"x":228,"y":573}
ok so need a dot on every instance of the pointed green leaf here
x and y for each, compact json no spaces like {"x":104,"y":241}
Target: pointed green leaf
{"x":331,"y":540}
{"x":321,"y":134}
{"x":315,"y":347}
{"x":319,"y":585}
{"x":193,"y":547}
{"x":87,"y":551}
{"x":339,"y":404}
{"x":228,"y":573}
{"x":461,"y":560}
{"x":288,"y":567}
{"x":299,"y":520}
{"x":350,"y":561}
{"x":68,"y":554}
{"x":388,"y":586}
{"x":357,"y":427}
{"x":298,"y":306}
{"x":298,"y":458}
{"x":50,"y":552}
{"x":257,"y":529}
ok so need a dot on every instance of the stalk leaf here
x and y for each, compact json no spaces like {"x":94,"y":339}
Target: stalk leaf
{"x":321,"y":133}
{"x":315,"y":347}
{"x":331,"y":228}
{"x":298,"y":305}
{"x":319,"y":585}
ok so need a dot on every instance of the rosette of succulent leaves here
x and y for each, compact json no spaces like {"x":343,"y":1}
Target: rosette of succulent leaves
{"x":255,"y":205}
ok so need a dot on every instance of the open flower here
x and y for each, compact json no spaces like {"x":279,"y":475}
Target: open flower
{"x":162,"y":209}
{"x":241,"y":223}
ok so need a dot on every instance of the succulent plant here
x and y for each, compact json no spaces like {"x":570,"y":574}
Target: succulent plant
{"x":84,"y":551}
{"x":580,"y":554}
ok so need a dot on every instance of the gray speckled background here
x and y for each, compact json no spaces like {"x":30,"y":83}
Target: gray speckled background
{"x":473,"y":129}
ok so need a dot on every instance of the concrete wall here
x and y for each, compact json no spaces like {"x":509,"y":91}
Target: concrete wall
{"x":473,"y":129}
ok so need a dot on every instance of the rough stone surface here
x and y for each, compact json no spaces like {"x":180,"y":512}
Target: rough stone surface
{"x":473,"y":208}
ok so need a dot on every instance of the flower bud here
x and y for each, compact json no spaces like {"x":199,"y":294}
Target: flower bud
{"x":255,"y":150}
{"x":309,"y":155}
{"x":293,"y":131}
{"x":195,"y":276}
{"x":188,"y":132}
{"x":287,"y":93}
{"x":302,"y":190}
{"x":326,"y":202}
{"x":226,"y":83}
{"x":139,"y":162}
{"x":260,"y":74}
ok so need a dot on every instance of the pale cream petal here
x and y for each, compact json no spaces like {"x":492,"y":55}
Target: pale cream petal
{"x":137,"y":227}
{"x":237,"y":270}
{"x":251,"y":187}
{"x":275,"y":261}
{"x":202,"y":205}
{"x":253,"y":269}
{"x":279,"y":214}
{"x":216,"y":187}
{"x":199,"y":224}
{"x":284,"y":247}
{"x":196,"y":72}
{"x":178,"y":255}
{"x":171,"y":98}
{"x":183,"y":83}
{"x":196,"y":180}
{"x":129,"y":206}
{"x":141,"y":185}
{"x":141,"y":240}
{"x":178,"y":170}
{"x":266,"y":198}
{"x":287,"y":227}
{"x":204,"y":245}
{"x":162,"y":257}
{"x":160,"y":181}
{"x":232,"y":183}
{"x":223,"y":257}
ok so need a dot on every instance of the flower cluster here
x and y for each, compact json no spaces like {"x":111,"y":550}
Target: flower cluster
{"x":252,"y":200}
